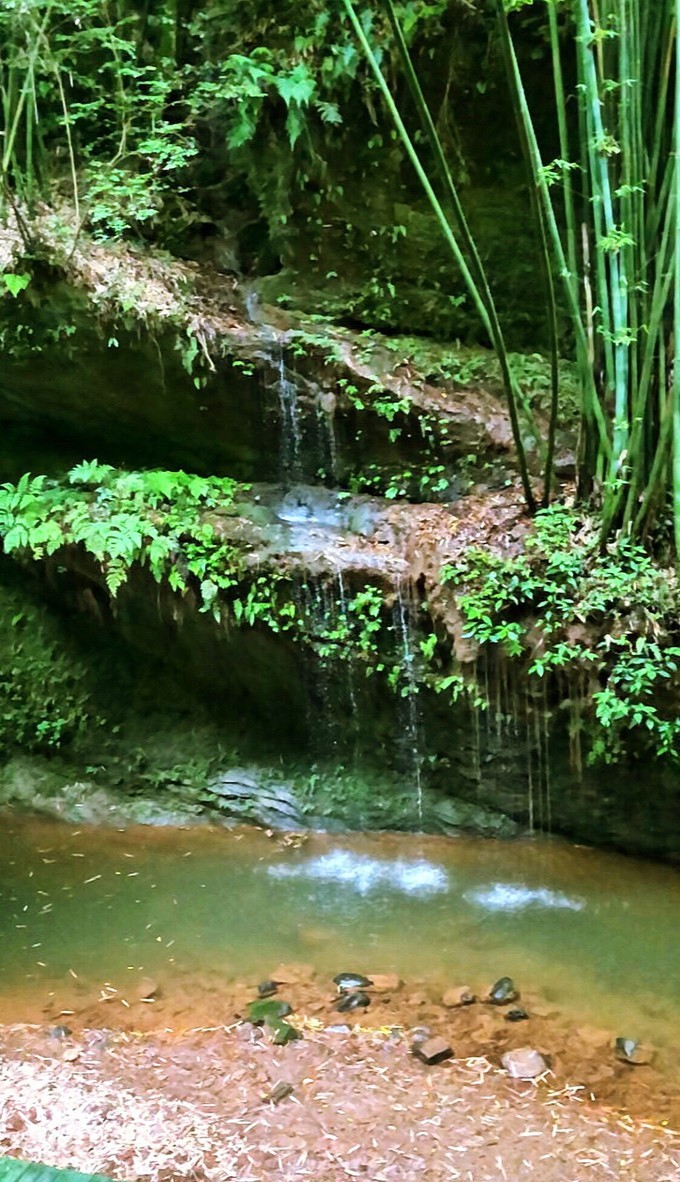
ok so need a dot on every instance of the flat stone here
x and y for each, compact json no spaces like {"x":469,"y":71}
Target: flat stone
{"x":629,"y":1050}
{"x":278,"y":1092}
{"x":503,"y":992}
{"x":385,"y":982}
{"x":462,"y":995}
{"x":293,"y":974}
{"x":147,"y":989}
{"x":524,"y":1063}
{"x":432,"y":1050}
{"x":516,"y":1015}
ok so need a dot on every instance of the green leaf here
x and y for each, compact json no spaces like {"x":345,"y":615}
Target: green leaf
{"x":268,"y":1010}
{"x":12,"y":1170}
{"x":16,"y":283}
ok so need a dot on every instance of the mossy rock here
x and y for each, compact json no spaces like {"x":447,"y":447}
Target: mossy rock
{"x":268,"y":1010}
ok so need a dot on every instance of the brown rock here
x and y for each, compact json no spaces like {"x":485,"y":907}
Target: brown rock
{"x":278,"y":1092}
{"x":524,"y":1063}
{"x":433,"y":1050}
{"x":385,"y":982}
{"x":293,"y":974}
{"x":638,"y":1054}
{"x":462,"y":995}
{"x":147,"y":990}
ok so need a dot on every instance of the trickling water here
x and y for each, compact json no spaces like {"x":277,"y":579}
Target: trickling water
{"x":291,"y":437}
{"x":410,"y":686}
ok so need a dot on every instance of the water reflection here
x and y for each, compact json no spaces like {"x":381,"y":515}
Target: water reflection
{"x":503,"y":896}
{"x":363,"y":875}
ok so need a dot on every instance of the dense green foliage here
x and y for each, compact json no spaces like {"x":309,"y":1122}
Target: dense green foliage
{"x":614,"y":251}
{"x":604,"y":622}
{"x":44,"y":695}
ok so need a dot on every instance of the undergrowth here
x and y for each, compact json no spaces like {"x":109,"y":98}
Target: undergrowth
{"x":564,"y":607}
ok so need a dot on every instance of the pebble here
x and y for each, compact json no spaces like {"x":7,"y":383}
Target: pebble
{"x":278,"y":1093}
{"x":503,"y":992}
{"x":517,"y":1015}
{"x":147,"y":989}
{"x":524,"y":1063}
{"x":432,"y":1050}
{"x":60,"y":1032}
{"x":629,"y":1050}
{"x":385,"y":982}
{"x":347,"y":981}
{"x":352,"y":1001}
{"x":462,"y":995}
{"x":267,"y":988}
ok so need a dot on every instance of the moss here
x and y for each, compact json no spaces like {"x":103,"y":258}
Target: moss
{"x":44,"y":687}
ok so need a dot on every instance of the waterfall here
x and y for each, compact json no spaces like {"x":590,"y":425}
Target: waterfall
{"x":289,"y":413}
{"x":412,"y":740}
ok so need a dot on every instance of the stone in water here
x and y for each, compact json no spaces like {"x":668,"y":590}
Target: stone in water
{"x":347,"y":981}
{"x":629,"y":1050}
{"x":516,"y":1015}
{"x":503,"y":992}
{"x":352,"y":1001}
{"x":462,"y":995}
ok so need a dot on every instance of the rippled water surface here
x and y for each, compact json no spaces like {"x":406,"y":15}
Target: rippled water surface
{"x":594,"y":934}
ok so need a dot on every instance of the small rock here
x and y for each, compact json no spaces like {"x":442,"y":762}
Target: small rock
{"x":71,"y":1054}
{"x":352,"y":1001}
{"x":629,"y":1050}
{"x":281,"y":1032}
{"x":147,"y":990}
{"x":503,"y":992}
{"x":385,"y":982}
{"x":60,"y":1032}
{"x":432,"y":1050}
{"x":278,"y":1093}
{"x":420,"y":1034}
{"x":293,"y":974}
{"x":462,"y":995}
{"x":265,"y":1010}
{"x":524,"y":1063}
{"x":267,"y":988}
{"x":339,"y":1028}
{"x":348,"y":981}
{"x":517,"y":1015}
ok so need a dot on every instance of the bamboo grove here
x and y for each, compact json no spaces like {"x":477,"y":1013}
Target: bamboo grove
{"x":605,"y":210}
{"x":607,"y":223}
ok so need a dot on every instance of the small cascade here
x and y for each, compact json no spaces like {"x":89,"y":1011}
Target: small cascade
{"x":327,"y":439}
{"x":291,"y":435}
{"x":316,"y":601}
{"x":412,"y":740}
{"x":351,"y":688}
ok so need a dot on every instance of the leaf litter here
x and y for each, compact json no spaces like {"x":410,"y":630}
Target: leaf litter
{"x":163,"y":1105}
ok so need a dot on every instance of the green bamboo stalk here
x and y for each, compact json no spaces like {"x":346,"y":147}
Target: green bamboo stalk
{"x":451,"y":240}
{"x":563,"y":132}
{"x":545,"y":260}
{"x":676,"y":301}
{"x":591,"y":405}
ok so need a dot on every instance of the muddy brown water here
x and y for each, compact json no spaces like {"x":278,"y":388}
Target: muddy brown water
{"x":591,"y":938}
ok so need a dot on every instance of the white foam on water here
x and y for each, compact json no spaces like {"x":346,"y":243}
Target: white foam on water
{"x":363,"y":874}
{"x":503,"y":896}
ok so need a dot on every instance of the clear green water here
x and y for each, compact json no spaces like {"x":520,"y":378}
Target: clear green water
{"x":593,"y":934}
